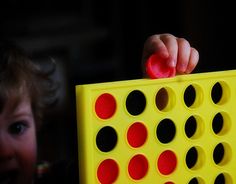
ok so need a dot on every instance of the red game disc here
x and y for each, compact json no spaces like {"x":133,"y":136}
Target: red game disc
{"x":157,"y":67}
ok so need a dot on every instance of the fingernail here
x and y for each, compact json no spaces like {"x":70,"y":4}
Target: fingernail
{"x":181,"y":68}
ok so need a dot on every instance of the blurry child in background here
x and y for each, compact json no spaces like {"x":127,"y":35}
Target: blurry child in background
{"x":23,"y":88}
{"x":24,"y":92}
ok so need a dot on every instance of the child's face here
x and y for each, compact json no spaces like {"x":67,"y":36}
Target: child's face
{"x":17,"y":143}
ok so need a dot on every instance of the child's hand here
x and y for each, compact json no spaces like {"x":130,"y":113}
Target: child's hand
{"x":176,"y":51}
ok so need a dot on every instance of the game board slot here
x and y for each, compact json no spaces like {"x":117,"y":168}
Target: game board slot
{"x":221,"y":123}
{"x":135,"y":102}
{"x":105,"y":106}
{"x":195,"y":158}
{"x":220,"y":93}
{"x":165,"y":99}
{"x":194,"y":127}
{"x":137,"y":134}
{"x":196,"y":180}
{"x":166,"y":131}
{"x":138,"y":167}
{"x":106,"y":139}
{"x":193,"y":96}
{"x":223,"y":178}
{"x":166,"y":162}
{"x":222,"y":154}
{"x":108,"y":171}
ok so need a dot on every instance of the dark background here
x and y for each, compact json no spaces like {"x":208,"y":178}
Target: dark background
{"x":98,"y":41}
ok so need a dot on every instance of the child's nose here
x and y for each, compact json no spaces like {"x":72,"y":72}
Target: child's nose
{"x":6,"y":149}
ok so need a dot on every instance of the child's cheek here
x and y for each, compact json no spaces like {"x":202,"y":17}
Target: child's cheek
{"x":27,"y":160}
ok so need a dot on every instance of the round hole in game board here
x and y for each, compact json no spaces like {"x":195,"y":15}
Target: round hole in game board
{"x":223,"y":178}
{"x":194,"y":127}
{"x":105,"y":106}
{"x":220,"y":93}
{"x":106,"y":139}
{"x":217,"y":123}
{"x":163,"y":102}
{"x":195,"y":158}
{"x":221,"y":123}
{"x":166,"y":131}
{"x":137,"y":134}
{"x":222,"y":154}
{"x":107,"y":171}
{"x":169,"y":182}
{"x":189,"y":96}
{"x":135,"y":102}
{"x":193,"y":96}
{"x":218,"y":153}
{"x":216,"y":93}
{"x":191,"y":157}
{"x":196,"y":180}
{"x":167,"y":162}
{"x":138,"y":167}
{"x":190,"y":126}
{"x":193,"y":181}
{"x":220,"y":179}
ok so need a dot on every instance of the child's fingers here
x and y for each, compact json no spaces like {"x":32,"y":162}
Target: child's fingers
{"x":193,"y":60}
{"x":172,"y":47}
{"x":176,"y":52}
{"x":153,"y":45}
{"x":184,"y":51}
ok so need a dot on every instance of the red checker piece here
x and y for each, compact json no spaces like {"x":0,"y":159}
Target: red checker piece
{"x":105,"y":106}
{"x":156,"y":67}
{"x":167,"y":162}
{"x":138,"y":167}
{"x":137,"y":135}
{"x":108,"y":171}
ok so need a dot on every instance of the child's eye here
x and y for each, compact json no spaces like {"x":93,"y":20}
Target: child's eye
{"x":18,"y":128}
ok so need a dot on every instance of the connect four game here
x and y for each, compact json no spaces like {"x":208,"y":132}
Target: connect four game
{"x":178,"y":130}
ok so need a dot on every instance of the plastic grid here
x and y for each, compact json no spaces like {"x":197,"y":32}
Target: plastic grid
{"x":168,"y":131}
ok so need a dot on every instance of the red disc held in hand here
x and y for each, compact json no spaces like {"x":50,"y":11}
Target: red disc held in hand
{"x":157,"y":67}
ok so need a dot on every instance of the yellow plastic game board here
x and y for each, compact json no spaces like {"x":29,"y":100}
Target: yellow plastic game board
{"x":179,"y":130}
